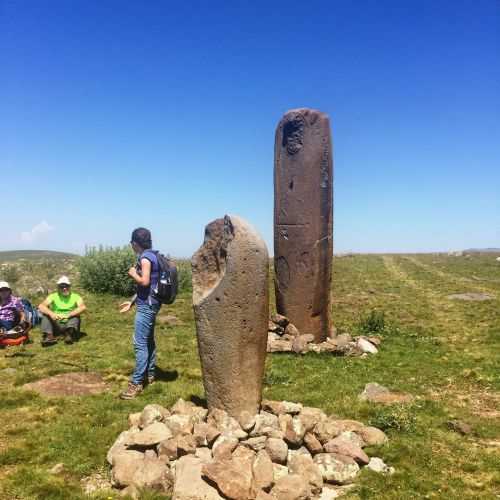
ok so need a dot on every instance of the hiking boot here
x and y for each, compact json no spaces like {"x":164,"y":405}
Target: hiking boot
{"x":68,"y":336}
{"x":48,"y":340}
{"x":132,"y":391}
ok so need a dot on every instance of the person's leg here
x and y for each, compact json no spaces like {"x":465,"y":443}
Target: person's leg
{"x":7,"y":324}
{"x":71,"y":329}
{"x":152,"y":345}
{"x":47,"y":328}
{"x":141,"y":352}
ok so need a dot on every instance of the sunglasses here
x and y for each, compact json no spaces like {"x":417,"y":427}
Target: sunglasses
{"x":64,"y":286}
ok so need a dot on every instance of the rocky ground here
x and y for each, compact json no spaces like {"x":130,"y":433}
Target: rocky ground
{"x":285,"y":452}
{"x":284,"y":336}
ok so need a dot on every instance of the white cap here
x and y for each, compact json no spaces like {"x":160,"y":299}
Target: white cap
{"x":4,"y":284}
{"x":63,"y":280}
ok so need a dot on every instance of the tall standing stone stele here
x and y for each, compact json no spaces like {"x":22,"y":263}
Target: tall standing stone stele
{"x":303,"y":220}
{"x":231,"y":309}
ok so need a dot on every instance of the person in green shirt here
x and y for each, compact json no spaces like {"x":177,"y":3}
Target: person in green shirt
{"x":61,"y":312}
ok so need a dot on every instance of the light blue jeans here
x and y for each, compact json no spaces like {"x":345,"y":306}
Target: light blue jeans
{"x":144,"y":342}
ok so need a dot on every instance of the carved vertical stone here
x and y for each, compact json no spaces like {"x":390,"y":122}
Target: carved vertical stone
{"x":231,"y":309}
{"x":303,"y":220}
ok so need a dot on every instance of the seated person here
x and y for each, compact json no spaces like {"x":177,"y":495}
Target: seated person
{"x":61,"y":314}
{"x":11,"y":308}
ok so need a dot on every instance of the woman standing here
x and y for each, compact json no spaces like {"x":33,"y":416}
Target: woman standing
{"x":145,"y":274}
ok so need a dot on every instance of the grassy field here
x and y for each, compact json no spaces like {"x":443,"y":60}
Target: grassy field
{"x":446,"y":353}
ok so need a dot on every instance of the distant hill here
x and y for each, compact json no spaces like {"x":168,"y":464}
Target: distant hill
{"x":11,"y":255}
{"x":482,"y":250}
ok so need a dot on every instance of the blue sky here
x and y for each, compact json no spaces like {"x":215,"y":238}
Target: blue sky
{"x":116,"y":114}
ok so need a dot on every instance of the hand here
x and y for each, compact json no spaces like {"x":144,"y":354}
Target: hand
{"x":53,"y":316}
{"x":60,"y":317}
{"x":132,"y":272}
{"x":125,"y":306}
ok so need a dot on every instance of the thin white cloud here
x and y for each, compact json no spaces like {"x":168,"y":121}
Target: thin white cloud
{"x":36,"y":232}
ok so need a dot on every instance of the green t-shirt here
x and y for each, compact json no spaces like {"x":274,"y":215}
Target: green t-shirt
{"x":64,"y":304}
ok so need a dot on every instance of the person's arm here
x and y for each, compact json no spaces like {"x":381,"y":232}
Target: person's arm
{"x":126,"y":306}
{"x":20,"y":311}
{"x":143,"y":279}
{"x":79,"y":310}
{"x":44,"y":308}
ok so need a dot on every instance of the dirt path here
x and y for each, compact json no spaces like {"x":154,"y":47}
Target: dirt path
{"x":469,"y":283}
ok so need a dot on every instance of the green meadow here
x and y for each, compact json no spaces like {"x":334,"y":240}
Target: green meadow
{"x":444,"y":352}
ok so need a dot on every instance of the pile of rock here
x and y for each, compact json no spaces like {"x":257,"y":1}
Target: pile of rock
{"x":283,"y":336}
{"x":285,"y":452}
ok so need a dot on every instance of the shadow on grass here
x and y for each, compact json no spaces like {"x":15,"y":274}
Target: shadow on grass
{"x":166,"y":375}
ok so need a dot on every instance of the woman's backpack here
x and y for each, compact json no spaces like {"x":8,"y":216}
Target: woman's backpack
{"x":166,"y":289}
{"x":31,"y":313}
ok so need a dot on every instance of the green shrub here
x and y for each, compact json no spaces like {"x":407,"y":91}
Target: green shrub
{"x":400,"y":417}
{"x":184,"y":275}
{"x":374,"y":322}
{"x":105,"y":270}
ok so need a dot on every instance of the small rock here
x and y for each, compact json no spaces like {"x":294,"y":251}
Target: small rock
{"x":312,"y":443}
{"x":265,"y":423}
{"x":152,"y":413}
{"x":223,"y":447}
{"x":244,"y":453}
{"x":291,"y":487}
{"x":153,"y":474}
{"x":295,"y":431}
{"x":263,"y":470}
{"x":372,"y":436}
{"x":279,"y":471}
{"x":281,"y":407}
{"x":304,"y":466}
{"x":134,"y":419}
{"x":311,"y":416}
{"x":204,"y":454}
{"x":179,"y":424}
{"x":167,"y":449}
{"x":246,"y":421}
{"x":186,"y":444}
{"x":460,"y":427}
{"x":225,"y":423}
{"x":347,"y":425}
{"x":277,"y":450}
{"x":378,"y":465}
{"x":376,"y":393}
{"x":336,"y":469}
{"x":299,"y":344}
{"x":299,"y":451}
{"x":256,"y":443}
{"x":233,"y":477}
{"x":205,"y":434}
{"x":366,"y":346}
{"x":125,"y":464}
{"x":341,"y":445}
{"x":279,"y":346}
{"x":57,"y":469}
{"x":292,"y":330}
{"x":150,"y":435}
{"x":189,"y":484}
{"x":120,"y":444}
{"x":326,"y":430}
